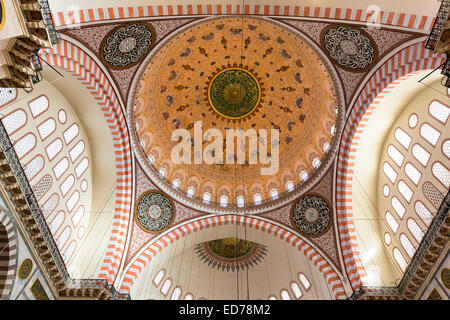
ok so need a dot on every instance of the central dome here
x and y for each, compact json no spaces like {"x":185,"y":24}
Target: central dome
{"x":235,"y":73}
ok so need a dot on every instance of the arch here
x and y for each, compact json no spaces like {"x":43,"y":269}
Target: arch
{"x":399,"y":67}
{"x":132,"y":272}
{"x":73,"y":59}
{"x":7,"y":262}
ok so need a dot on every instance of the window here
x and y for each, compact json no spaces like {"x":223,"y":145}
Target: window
{"x":42,"y":186}
{"x":400,"y":259}
{"x":190,"y":192}
{"x":304,"y":176}
{"x":166,"y":286}
{"x":274,"y":193}
{"x":285,"y":295}
{"x":326,"y":147}
{"x":38,"y":106}
{"x":46,"y":128}
{"x":387,"y":238}
{"x":386,"y":190}
{"x":206,"y":197}
{"x":415,"y":230}
{"x":289,"y":186}
{"x":71,"y":133}
{"x":82,"y":167}
{"x":223,"y":201}
{"x":405,"y":191}
{"x":162,"y":172}
{"x":76,"y":151}
{"x":61,"y":167}
{"x":389,"y":172}
{"x":391,"y":222}
{"x":421,"y":154}
{"x":423,"y":212}
{"x":7,"y":95}
{"x":402,"y":137}
{"x":189,"y":296}
{"x":25,"y":145}
{"x":439,"y":111}
{"x":296,"y":290}
{"x":316,"y":162}
{"x":272,"y":298}
{"x":57,"y":222}
{"x":413,"y":121}
{"x":240,"y":201}
{"x":398,"y":207}
{"x":14,"y":121}
{"x":257,"y":198}
{"x":176,"y":183}
{"x":176,"y":294}
{"x":62,"y":116}
{"x":429,"y":133}
{"x":54,"y":148}
{"x":67,"y":185}
{"x":446,"y":148}
{"x":73,"y":200}
{"x":32,"y":168}
{"x":304,"y":281}
{"x":159,"y":276}
{"x":395,"y":155}
{"x":48,"y":207}
{"x":441,"y":173}
{"x":412,"y":173}
{"x":84,"y":185}
{"x":407,"y":245}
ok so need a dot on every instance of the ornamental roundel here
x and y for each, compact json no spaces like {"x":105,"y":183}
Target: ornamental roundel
{"x":311,"y":215}
{"x":445,"y":277}
{"x":154,"y":211}
{"x":351,"y":48}
{"x":25,"y":269}
{"x":127,"y":45}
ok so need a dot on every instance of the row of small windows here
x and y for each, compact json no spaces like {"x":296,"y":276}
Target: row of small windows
{"x":431,"y":135}
{"x":295,"y":289}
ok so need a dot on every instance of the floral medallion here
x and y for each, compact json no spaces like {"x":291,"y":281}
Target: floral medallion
{"x":154,"y":211}
{"x":311,"y":215}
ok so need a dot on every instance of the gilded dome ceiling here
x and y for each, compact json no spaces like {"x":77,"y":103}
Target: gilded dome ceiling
{"x":236,"y":73}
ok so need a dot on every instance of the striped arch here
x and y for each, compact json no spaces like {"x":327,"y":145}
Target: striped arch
{"x":157,"y":246}
{"x":71,"y":58}
{"x":408,"y":60}
{"x":8,"y":255}
{"x":410,"y":21}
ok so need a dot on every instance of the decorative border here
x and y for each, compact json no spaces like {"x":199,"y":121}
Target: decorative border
{"x":410,"y":21}
{"x":12,"y":244}
{"x":153,"y":248}
{"x":71,"y":58}
{"x":400,"y":66}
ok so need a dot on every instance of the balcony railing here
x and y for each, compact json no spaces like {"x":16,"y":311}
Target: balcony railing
{"x":439,"y":25}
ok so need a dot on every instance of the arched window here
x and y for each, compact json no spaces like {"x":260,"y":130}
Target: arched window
{"x":14,"y":121}
{"x":405,"y":191}
{"x":162,"y":172}
{"x":189,"y":296}
{"x":395,"y":155}
{"x":398,"y":207}
{"x":391,"y":222}
{"x":423,"y":212}
{"x":71,"y":133}
{"x":73,"y":200}
{"x":57,"y":222}
{"x":326,"y":147}
{"x":82,"y":167}
{"x":32,"y":168}
{"x":285,"y":295}
{"x":387,"y":238}
{"x":439,"y":111}
{"x":389,"y":172}
{"x":158,"y":278}
{"x":289,"y":186}
{"x":316,"y":162}
{"x":257,"y":199}
{"x":402,"y":137}
{"x":176,"y":183}
{"x":303,"y":176}
{"x":206,"y":197}
{"x":296,"y":290}
{"x":190,"y":192}
{"x":441,"y":173}
{"x":272,"y":298}
{"x":77,"y":216}
{"x":7,"y":95}
{"x":421,"y":154}
{"x":274,"y":193}
{"x":46,"y":128}
{"x":446,"y":148}
{"x":61,"y":167}
{"x":223,"y":201}
{"x":400,"y":259}
{"x":176,"y":294}
{"x":76,"y":151}
{"x":240,"y":201}
{"x":412,"y":173}
{"x":166,"y":286}
{"x":67,"y":185}
{"x":25,"y":145}
{"x":50,"y":205}
{"x":415,"y":230}
{"x":407,"y":245}
{"x":54,"y":148}
{"x":38,"y":106}
{"x":304,"y":281}
{"x":429,"y":133}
